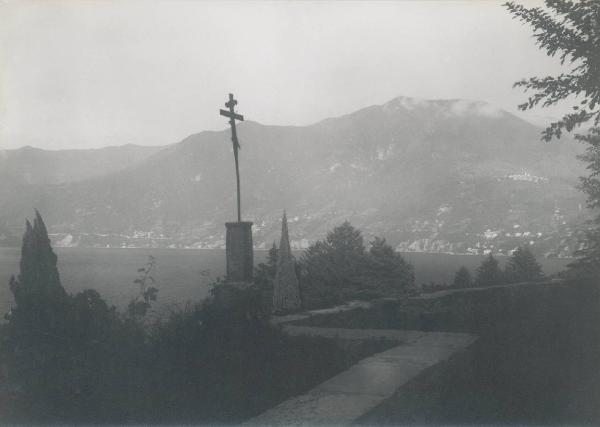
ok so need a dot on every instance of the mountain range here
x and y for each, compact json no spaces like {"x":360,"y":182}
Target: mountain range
{"x":428,"y":175}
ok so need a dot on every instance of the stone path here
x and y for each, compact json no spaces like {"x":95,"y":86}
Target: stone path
{"x":351,"y":394}
{"x":346,"y":397}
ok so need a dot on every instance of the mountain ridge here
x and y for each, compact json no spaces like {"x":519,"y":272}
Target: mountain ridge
{"x":394,"y":169}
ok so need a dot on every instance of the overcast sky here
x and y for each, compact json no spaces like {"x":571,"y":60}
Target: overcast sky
{"x":81,"y":74}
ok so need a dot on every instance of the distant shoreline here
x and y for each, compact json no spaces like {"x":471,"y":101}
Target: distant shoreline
{"x":266,"y":250}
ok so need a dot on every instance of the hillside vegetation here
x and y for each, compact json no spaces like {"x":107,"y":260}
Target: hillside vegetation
{"x":430,"y":175}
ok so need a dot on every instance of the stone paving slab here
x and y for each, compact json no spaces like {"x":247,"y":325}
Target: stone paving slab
{"x":317,"y":408}
{"x":352,"y":393}
{"x":373,"y":378}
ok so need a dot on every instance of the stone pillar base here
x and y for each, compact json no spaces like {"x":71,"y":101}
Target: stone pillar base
{"x":239,"y":252}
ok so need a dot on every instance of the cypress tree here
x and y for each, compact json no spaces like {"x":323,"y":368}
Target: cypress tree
{"x":38,"y":281}
{"x":39,"y":332}
{"x":286,"y":290}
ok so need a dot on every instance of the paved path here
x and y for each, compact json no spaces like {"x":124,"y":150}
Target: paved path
{"x":351,"y":394}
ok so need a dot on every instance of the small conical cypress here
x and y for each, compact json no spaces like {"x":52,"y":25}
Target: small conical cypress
{"x":286,"y":290}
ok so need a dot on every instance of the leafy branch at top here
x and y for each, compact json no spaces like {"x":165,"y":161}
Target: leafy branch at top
{"x":571,"y":32}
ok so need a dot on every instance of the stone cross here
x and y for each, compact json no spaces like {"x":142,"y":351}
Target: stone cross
{"x":233,"y":116}
{"x":238,"y":241}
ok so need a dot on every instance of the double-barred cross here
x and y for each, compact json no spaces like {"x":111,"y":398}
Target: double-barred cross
{"x":233,"y":116}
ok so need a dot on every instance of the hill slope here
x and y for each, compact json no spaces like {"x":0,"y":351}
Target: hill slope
{"x":34,"y":166}
{"x":441,"y":175}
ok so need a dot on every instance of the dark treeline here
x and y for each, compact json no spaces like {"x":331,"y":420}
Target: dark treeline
{"x":520,"y":267}
{"x":74,"y":358}
{"x":340,"y":268}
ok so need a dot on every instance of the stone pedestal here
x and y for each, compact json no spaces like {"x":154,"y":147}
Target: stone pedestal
{"x":239,"y":251}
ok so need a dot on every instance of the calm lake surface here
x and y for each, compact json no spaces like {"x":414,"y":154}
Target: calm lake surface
{"x":184,"y":275}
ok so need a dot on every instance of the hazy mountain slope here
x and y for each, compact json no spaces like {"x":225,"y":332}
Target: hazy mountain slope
{"x":34,"y":166}
{"x":428,"y":175}
{"x":26,"y":173}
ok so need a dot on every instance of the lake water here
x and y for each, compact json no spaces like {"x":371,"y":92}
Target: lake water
{"x":181,"y":274}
